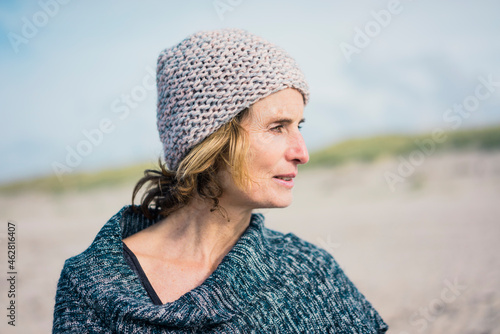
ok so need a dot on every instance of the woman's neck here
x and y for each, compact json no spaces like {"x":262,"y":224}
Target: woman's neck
{"x":193,"y":235}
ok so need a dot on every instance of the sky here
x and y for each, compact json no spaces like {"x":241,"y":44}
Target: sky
{"x":76,"y":83}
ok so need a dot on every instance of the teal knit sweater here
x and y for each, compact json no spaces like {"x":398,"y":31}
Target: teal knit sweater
{"x":268,"y":283}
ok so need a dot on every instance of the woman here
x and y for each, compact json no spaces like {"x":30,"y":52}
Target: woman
{"x":193,"y":257}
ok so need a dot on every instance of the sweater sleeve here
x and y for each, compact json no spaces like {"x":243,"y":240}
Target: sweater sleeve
{"x":71,"y":314}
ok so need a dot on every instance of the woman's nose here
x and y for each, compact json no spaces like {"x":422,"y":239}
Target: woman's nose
{"x":298,"y":151}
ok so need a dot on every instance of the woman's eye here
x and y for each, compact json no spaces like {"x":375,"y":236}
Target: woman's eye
{"x":278,"y":128}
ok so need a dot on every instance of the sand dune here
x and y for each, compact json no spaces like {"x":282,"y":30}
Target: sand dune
{"x":426,"y":255}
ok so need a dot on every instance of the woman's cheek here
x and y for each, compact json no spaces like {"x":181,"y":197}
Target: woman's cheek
{"x":263,"y":140}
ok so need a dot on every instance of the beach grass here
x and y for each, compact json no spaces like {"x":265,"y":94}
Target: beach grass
{"x":370,"y":149}
{"x":78,"y":181}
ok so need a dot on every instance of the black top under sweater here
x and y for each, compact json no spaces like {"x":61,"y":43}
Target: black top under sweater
{"x":136,"y":267}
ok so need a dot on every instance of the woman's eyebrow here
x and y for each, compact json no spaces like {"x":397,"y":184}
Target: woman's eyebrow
{"x":288,"y":121}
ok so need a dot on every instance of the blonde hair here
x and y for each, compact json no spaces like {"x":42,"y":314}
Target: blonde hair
{"x":167,"y":191}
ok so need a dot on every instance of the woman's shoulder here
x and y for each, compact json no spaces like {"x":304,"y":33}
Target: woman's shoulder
{"x":299,"y":254}
{"x":103,"y":250}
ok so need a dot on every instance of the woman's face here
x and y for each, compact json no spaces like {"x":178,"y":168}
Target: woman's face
{"x":276,"y":148}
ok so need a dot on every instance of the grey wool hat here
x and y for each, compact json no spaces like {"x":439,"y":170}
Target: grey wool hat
{"x":210,"y":77}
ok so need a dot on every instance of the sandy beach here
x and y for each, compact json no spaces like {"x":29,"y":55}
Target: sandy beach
{"x":426,"y":255}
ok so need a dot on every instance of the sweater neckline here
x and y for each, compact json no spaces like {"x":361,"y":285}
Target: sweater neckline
{"x":246,"y":269}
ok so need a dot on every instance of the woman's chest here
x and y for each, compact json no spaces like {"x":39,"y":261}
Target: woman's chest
{"x":172,"y":280}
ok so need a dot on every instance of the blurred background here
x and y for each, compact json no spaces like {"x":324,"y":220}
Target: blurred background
{"x":403,"y":128}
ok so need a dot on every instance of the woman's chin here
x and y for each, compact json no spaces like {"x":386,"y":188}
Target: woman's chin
{"x":279,"y":203}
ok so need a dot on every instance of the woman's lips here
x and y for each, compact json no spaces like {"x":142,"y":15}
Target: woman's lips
{"x":285,"y":180}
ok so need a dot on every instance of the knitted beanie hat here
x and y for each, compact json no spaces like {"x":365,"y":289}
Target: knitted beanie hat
{"x":211,"y":76}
